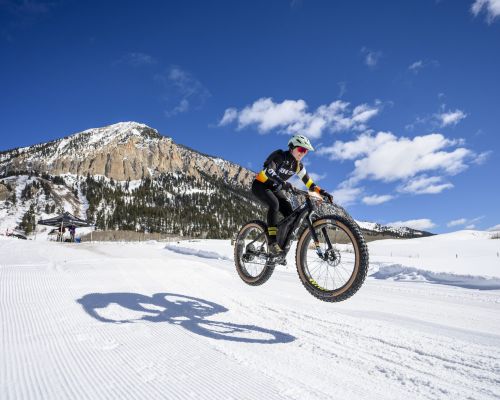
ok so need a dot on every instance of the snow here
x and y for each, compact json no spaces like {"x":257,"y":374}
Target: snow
{"x":134,"y":184}
{"x":367,"y":225}
{"x":197,"y":252}
{"x":464,"y":252}
{"x":173,"y":320}
{"x":10,"y":216}
{"x":93,"y":137}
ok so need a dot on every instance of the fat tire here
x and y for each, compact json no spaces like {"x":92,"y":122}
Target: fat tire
{"x":268,"y":268}
{"x":362,"y":250}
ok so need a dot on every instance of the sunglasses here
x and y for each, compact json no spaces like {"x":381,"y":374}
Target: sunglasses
{"x":301,"y":149}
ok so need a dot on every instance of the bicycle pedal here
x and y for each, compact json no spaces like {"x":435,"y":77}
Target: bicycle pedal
{"x":279,"y":259}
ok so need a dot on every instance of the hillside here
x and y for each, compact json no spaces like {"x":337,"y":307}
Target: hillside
{"x":128,"y":176}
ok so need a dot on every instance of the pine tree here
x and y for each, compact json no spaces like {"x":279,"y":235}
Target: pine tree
{"x":28,"y":222}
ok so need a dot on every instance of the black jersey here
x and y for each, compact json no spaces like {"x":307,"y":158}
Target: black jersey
{"x":279,"y":167}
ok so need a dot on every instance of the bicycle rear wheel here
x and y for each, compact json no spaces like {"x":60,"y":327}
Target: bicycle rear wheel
{"x":342,"y":270}
{"x":251,"y":254}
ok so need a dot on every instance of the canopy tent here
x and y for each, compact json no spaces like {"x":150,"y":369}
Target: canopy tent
{"x":65,"y":220}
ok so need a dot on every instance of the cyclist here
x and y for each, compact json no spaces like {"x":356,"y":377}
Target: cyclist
{"x":270,"y":183}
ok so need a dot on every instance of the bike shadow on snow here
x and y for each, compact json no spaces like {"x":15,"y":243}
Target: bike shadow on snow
{"x":189,"y":312}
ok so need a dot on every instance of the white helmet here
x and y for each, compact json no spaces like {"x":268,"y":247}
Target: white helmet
{"x":302,"y":141}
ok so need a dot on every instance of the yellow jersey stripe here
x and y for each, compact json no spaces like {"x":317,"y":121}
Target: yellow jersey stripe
{"x":262,"y":177}
{"x":309,"y":183}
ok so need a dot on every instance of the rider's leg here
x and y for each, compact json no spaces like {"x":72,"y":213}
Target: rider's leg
{"x":285,"y":206}
{"x":269,"y":198}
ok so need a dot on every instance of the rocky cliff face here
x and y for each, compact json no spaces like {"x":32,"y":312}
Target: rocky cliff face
{"x":127,"y":150}
{"x":4,"y":192}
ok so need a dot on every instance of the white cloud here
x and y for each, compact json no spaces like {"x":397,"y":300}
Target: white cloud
{"x":137,"y":59}
{"x":388,"y":158}
{"x":490,"y":7}
{"x":377,"y":199}
{"x":450,"y":117}
{"x":186,"y":83}
{"x":316,"y":177}
{"x":470,"y":223}
{"x":482,"y":157}
{"x":347,"y":195}
{"x":409,"y":161}
{"x":371,"y":57}
{"x":417,"y":66}
{"x":440,"y":119}
{"x":425,"y":185}
{"x":292,"y":117}
{"x":364,"y":145}
{"x":343,"y":89}
{"x":457,"y":222}
{"x":494,"y":228}
{"x":182,"y":107}
{"x":419,"y":224}
{"x":230,"y":115}
{"x":184,"y":90}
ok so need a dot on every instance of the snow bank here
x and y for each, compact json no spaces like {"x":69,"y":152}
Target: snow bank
{"x":464,"y":253}
{"x":398,"y":272}
{"x":431,"y":260}
{"x":196,"y":252}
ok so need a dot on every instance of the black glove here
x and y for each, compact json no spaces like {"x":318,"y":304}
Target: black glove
{"x":324,"y":193}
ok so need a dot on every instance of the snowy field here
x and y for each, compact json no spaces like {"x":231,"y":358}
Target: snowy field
{"x":174,"y":321}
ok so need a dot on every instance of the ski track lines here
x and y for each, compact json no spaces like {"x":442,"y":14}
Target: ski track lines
{"x":393,"y":361}
{"x":348,"y":351}
{"x":51,"y":348}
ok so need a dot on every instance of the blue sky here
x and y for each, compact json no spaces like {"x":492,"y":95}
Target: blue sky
{"x":401,"y":98}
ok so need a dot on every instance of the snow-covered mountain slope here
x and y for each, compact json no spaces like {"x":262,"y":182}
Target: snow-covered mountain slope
{"x":128,"y":321}
{"x":122,"y":151}
{"x":375,"y":231}
{"x":169,"y":203}
{"x":127,"y":154}
{"x":46,"y":197}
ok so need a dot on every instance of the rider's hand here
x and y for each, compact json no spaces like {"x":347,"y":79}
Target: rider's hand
{"x":324,"y":193}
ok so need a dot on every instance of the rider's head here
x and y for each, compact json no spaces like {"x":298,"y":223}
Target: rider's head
{"x":299,"y":146}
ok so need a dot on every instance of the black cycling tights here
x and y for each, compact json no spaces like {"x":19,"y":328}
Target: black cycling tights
{"x":275,"y":200}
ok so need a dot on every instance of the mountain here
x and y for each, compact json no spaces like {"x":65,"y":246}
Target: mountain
{"x":374,"y":231}
{"x":128,"y":176}
{"x":126,"y":150}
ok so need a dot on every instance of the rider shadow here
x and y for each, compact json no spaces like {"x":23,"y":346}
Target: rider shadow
{"x":189,"y":312}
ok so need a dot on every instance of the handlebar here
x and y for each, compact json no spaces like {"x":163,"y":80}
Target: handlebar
{"x":296,"y":191}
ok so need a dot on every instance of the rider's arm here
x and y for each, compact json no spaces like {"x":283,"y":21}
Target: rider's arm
{"x":269,"y":175}
{"x":302,"y":174}
{"x":311,"y":185}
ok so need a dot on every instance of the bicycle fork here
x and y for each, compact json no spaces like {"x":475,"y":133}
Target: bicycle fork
{"x":319,"y":252}
{"x":315,"y":237}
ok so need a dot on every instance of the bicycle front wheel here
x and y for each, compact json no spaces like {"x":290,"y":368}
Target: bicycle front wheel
{"x":341,"y":269}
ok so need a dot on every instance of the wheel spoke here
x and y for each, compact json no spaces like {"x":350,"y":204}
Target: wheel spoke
{"x":336,"y":271}
{"x":251,"y":246}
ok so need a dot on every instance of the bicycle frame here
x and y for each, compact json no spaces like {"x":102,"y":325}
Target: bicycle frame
{"x":304,"y":211}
